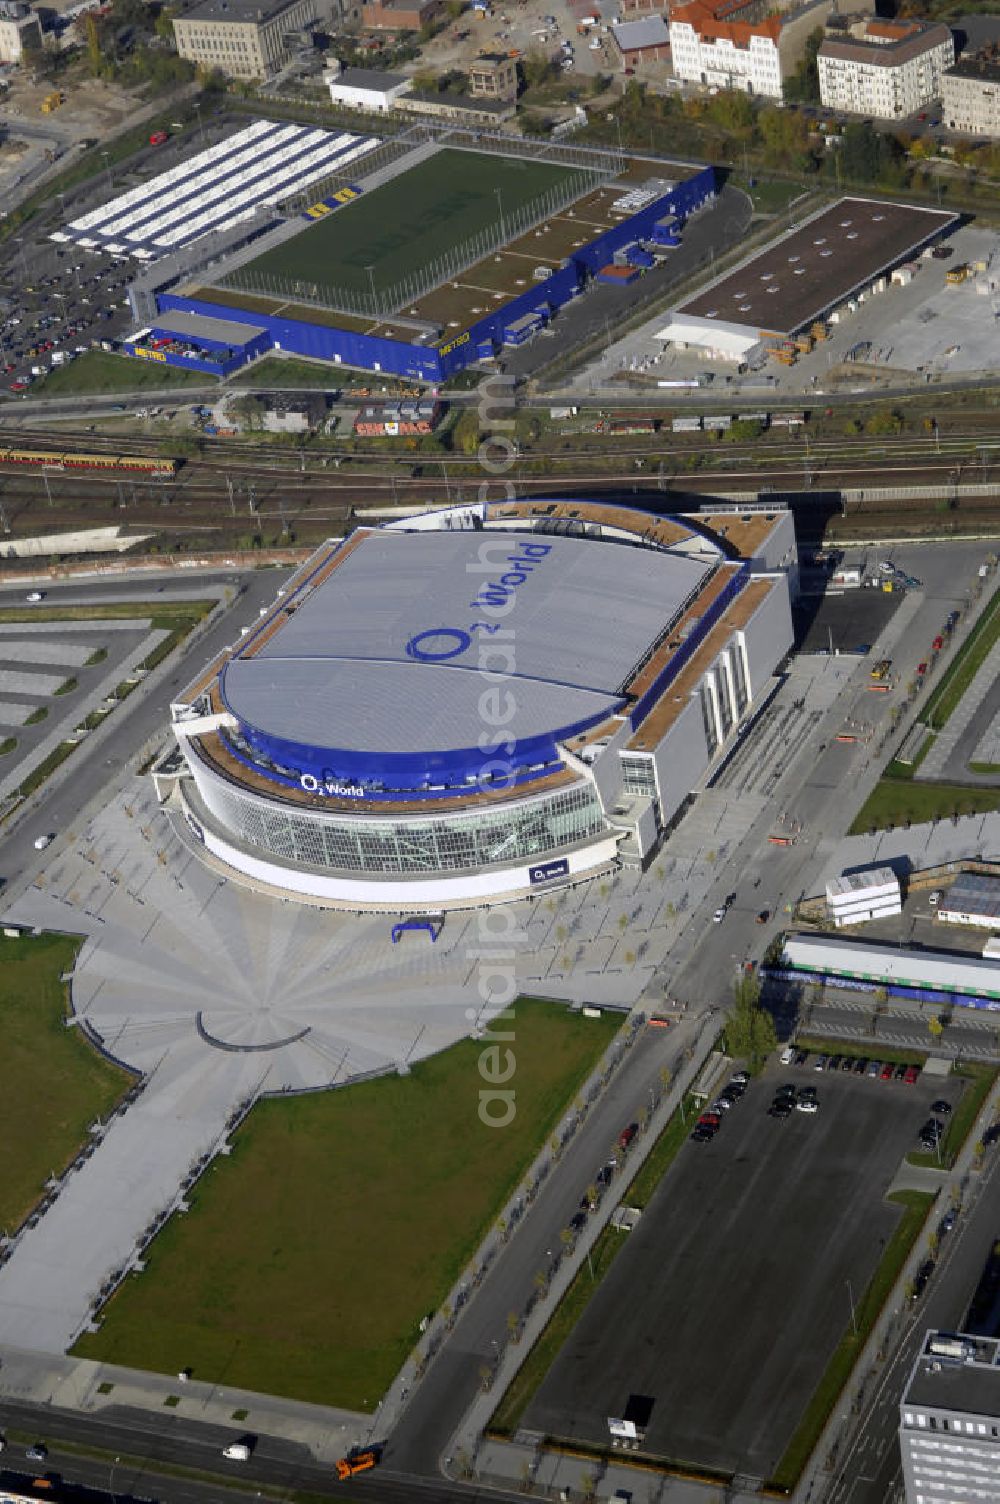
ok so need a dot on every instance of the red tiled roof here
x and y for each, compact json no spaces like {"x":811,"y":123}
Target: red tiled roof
{"x":708,"y":20}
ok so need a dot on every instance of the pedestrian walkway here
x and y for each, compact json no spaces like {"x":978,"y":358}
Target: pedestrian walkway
{"x":935,"y":764}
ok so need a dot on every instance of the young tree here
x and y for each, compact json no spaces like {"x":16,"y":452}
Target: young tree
{"x":749,"y":1029}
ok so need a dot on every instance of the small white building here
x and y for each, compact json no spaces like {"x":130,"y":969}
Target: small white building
{"x":974,"y":899}
{"x":365,"y":88}
{"x":710,"y":339}
{"x":857,"y":897}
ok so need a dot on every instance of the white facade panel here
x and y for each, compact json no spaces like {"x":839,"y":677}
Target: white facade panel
{"x":768,"y":636}
{"x":681,"y":760}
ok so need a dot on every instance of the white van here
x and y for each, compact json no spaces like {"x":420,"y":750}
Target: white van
{"x":237,"y":1451}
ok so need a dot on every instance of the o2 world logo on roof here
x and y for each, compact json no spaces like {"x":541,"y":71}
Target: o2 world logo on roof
{"x":440,"y":644}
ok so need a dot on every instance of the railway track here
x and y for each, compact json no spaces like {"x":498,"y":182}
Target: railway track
{"x":234,"y":455}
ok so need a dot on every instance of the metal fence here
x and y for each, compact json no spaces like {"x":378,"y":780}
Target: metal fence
{"x":377,"y":302}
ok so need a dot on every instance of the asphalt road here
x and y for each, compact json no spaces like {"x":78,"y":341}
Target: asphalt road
{"x":869,"y":1469}
{"x":135,"y":1445}
{"x":144,"y":715}
{"x":745,"y":1258}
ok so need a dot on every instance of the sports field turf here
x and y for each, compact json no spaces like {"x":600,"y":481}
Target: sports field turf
{"x":408,"y":222}
{"x":53,"y":1084}
{"x":311,"y":1252}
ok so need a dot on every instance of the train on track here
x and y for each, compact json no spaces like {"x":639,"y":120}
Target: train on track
{"x":117,"y":464}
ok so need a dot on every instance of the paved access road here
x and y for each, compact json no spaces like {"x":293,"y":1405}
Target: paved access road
{"x":134,"y":1445}
{"x":869,"y":1471}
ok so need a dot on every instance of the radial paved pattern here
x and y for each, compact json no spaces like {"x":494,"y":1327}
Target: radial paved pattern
{"x":215,"y":994}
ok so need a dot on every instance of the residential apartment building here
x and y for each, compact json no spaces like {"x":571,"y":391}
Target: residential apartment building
{"x":742,"y":44}
{"x":20,"y":31}
{"x":949,"y":1433}
{"x":242,"y":38}
{"x":886,"y":69}
{"x":970,"y":96}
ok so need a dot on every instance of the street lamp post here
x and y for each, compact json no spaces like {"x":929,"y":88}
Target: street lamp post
{"x":371,"y":283}
{"x":107,"y":167}
{"x":854,"y":1314}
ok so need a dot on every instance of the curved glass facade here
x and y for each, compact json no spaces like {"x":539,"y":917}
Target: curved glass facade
{"x":479,"y":838}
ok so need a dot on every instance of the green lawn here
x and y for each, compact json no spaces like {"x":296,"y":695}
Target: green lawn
{"x":916,"y":1205}
{"x":401,"y":227}
{"x":964,"y":666}
{"x":311,"y":1253}
{"x":272,"y":374}
{"x":52,"y":1083}
{"x":101,"y":372}
{"x":894,"y":801}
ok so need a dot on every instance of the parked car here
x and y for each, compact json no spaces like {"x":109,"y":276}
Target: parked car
{"x":860,"y":1065}
{"x":819,"y":1064}
{"x":787,"y":1055}
{"x":886,"y":1073}
{"x":807,"y":1104}
{"x":938,"y":643}
{"x":781,"y":1107}
{"x":719,"y":915}
{"x":42,"y":841}
{"x":920,"y":1279}
{"x":627,"y":1135}
{"x":941,"y":1108}
{"x":912,"y":1075}
{"x":935,"y":898}
{"x":947,"y":1222}
{"x":874,"y":1066}
{"x":37,"y":1452}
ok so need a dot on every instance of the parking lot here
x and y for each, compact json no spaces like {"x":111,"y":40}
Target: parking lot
{"x":844,"y":621}
{"x":735,"y":1288}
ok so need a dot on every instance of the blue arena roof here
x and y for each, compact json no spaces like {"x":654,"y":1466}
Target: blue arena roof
{"x":382,"y":673}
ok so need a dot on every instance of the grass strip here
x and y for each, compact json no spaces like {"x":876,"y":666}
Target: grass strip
{"x":979,"y":1079}
{"x":863,"y":1050}
{"x":894,"y":801}
{"x":45,"y":768}
{"x":53,"y":1084}
{"x":98,"y":373}
{"x":7,"y":745}
{"x":916,"y":1205}
{"x":964,"y":666}
{"x":662,"y":1155}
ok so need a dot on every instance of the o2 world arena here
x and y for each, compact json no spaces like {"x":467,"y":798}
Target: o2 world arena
{"x":482,"y":702}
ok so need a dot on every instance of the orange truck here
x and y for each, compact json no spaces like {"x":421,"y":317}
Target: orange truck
{"x":360,"y":1460}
